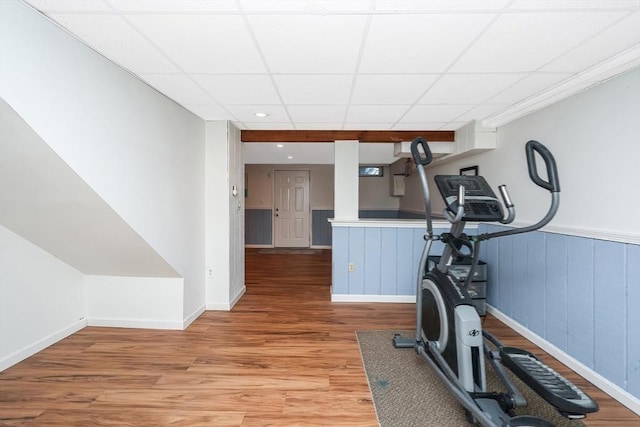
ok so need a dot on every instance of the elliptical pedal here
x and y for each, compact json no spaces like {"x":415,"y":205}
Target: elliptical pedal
{"x":567,"y":398}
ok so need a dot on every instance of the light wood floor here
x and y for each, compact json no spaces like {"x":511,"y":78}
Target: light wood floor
{"x":285,"y":355}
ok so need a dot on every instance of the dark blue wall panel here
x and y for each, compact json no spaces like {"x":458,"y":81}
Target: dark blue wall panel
{"x":258,"y":227}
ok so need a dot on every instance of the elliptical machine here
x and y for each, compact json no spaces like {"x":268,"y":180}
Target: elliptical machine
{"x":449,"y":333}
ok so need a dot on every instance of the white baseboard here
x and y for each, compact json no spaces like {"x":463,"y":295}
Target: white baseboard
{"x":613,"y":390}
{"x":320,"y":247}
{"x":238,"y":296}
{"x":227,"y":306}
{"x":373,"y":298}
{"x":30,"y":350}
{"x":251,"y":246}
{"x":136,"y":323}
{"x":193,"y":316}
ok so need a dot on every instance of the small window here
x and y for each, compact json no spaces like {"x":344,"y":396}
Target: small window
{"x":371,"y":170}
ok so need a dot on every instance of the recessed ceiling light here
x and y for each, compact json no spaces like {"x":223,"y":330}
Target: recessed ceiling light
{"x":279,"y":145}
{"x":289,"y":157}
{"x":262,"y":115}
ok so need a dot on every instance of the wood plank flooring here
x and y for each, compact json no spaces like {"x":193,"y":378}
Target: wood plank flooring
{"x":285,"y":355}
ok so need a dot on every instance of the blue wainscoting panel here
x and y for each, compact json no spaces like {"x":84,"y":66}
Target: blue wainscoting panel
{"x":520,"y":279}
{"x":257,"y":224}
{"x":580,"y":294}
{"x":357,"y":257}
{"x":388,"y":266}
{"x":555,"y":309}
{"x":340,"y":261}
{"x":372,"y":270}
{"x":536,"y":274}
{"x":580,"y":310}
{"x":633,"y":319}
{"x":505,"y":273}
{"x":610,"y":310}
{"x":405,"y":254}
{"x":385,"y":259}
{"x":320,"y":227}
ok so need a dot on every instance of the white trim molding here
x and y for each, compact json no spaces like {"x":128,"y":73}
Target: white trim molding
{"x":612,"y":236}
{"x":136,"y":323}
{"x":30,"y":350}
{"x":193,"y":316}
{"x":373,"y":298}
{"x":613,"y":390}
{"x":625,"y":61}
{"x":229,"y":306}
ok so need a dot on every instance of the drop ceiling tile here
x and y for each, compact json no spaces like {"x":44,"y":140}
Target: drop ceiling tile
{"x":481,"y":112}
{"x":414,"y":43}
{"x":619,"y":37}
{"x":520,"y":42}
{"x":438,"y":6}
{"x":367,"y":126}
{"x":531,"y":85}
{"x":434,"y":113}
{"x":210,"y":111}
{"x":52,"y":6}
{"x":391,"y":88}
{"x":318,"y":126}
{"x":247,"y":113}
{"x":376,"y":113}
{"x":241,"y":89}
{"x":420,"y":126}
{"x":114,"y":38}
{"x":314,"y":89}
{"x":468,"y":88}
{"x":309,"y":43}
{"x":174,"y":5}
{"x":268,"y":126}
{"x":317,"y":113}
{"x":203,"y":43}
{"x":178,"y":87}
{"x":305,"y":6}
{"x":573,"y":4}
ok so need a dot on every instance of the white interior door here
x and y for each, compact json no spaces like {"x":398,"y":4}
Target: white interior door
{"x":291,"y":209}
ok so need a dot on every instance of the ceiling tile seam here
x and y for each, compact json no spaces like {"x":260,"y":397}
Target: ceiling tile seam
{"x":462,"y":53}
{"x":254,"y":39}
{"x":354,"y":80}
{"x":168,"y":58}
{"x":608,"y":27}
{"x":117,"y":64}
{"x":482,"y":33}
{"x":595,"y":75}
{"x":531,"y":73}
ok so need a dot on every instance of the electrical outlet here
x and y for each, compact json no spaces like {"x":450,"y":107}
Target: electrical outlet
{"x":210,"y":272}
{"x":352,"y":267}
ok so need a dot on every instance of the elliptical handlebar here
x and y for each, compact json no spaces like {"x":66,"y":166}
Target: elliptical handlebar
{"x":415,"y":153}
{"x":553,"y":184}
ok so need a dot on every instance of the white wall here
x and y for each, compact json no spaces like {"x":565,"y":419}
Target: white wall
{"x":139,"y":151}
{"x":346,"y":180}
{"x":42,"y":299}
{"x":150,"y":302}
{"x":594,"y":138}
